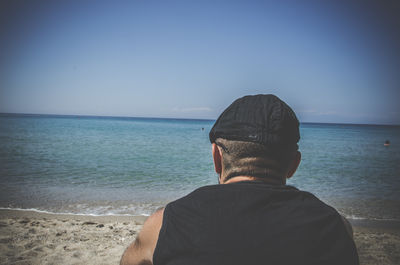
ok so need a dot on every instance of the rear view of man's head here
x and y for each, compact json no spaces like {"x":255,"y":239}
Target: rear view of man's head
{"x":256,"y":137}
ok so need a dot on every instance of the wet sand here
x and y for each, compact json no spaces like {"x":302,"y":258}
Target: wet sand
{"x":28,"y":237}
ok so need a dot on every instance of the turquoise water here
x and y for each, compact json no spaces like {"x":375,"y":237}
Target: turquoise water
{"x":102,"y":165}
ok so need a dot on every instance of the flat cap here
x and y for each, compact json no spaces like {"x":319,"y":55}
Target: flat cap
{"x":263,"y":119}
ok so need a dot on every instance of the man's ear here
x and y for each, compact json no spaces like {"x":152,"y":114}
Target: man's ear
{"x":217,"y":157}
{"x":294,"y":164}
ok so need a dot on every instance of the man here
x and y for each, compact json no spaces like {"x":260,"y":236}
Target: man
{"x":254,"y":218}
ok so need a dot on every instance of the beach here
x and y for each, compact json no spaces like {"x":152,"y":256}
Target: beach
{"x":29,"y":237}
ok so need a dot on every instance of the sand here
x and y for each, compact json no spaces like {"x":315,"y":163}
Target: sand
{"x":36,"y":238}
{"x":28,"y":237}
{"x":378,"y":243}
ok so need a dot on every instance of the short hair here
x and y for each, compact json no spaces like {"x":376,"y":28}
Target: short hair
{"x":241,"y":158}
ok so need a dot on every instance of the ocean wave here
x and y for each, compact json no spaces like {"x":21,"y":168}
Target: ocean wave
{"x":113,"y":213}
{"x":69,"y":213}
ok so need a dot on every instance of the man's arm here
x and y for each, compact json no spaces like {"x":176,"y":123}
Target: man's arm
{"x":348,"y":226}
{"x":140,"y":252}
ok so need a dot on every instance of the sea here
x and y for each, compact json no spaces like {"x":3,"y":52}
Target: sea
{"x":132,"y":166}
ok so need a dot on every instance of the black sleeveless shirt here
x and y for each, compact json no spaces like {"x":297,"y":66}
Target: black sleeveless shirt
{"x":252,"y":223}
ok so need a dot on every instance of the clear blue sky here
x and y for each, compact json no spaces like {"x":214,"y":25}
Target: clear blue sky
{"x":332,"y":61}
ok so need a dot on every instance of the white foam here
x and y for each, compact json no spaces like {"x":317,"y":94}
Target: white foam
{"x":354,"y":217}
{"x":69,"y":213}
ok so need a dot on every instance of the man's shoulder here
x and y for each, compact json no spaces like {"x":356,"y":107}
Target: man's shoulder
{"x":250,"y":190}
{"x":194,"y":195}
{"x":245,"y":190}
{"x":243,"y":186}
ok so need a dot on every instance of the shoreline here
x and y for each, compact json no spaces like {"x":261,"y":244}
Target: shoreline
{"x":20,"y":213}
{"x":30,"y":237}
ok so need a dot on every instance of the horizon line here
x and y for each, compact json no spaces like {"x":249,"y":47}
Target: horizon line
{"x":169,"y":118}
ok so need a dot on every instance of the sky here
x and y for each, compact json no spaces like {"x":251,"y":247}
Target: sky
{"x":331,"y":61}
